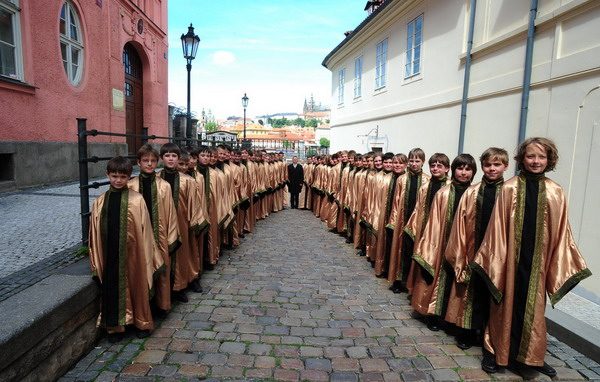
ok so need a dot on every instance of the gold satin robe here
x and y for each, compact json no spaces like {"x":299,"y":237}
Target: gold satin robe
{"x":198,"y":244}
{"x":191,"y":221}
{"x":429,"y":255}
{"x":140,"y":259}
{"x":396,"y":221}
{"x":415,"y":226}
{"x":334,"y":190}
{"x":166,"y":234}
{"x":556,"y":268}
{"x":359,"y":197}
{"x":326,"y":187}
{"x":341,"y":198}
{"x":460,"y":251}
{"x":379,"y":196}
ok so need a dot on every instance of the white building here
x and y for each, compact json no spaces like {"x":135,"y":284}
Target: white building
{"x":398,"y":81}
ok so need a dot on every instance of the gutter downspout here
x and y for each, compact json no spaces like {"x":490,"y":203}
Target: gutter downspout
{"x":527,"y":70}
{"x":465,"y":95}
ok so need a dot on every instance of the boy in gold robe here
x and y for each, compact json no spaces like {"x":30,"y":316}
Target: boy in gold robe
{"x":527,"y":252}
{"x":439,"y":164}
{"x":185,"y":266}
{"x":468,"y":305}
{"x":163,"y":216}
{"x":405,"y":200}
{"x":123,"y":254}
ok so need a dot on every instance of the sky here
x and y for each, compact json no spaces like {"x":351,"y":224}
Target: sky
{"x":269,"y":49}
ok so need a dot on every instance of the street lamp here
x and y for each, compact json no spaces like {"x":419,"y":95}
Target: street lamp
{"x":244,"y":105}
{"x":189,"y":43}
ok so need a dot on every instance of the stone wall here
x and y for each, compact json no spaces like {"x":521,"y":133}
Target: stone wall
{"x":38,"y":163}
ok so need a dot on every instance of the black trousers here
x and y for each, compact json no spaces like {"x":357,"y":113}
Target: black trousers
{"x":294,"y":198}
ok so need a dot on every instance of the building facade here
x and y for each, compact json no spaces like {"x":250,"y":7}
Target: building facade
{"x":398,"y":82}
{"x":103,"y":60}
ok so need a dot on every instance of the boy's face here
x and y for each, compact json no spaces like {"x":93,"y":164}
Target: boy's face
{"x":244,"y":155}
{"x":182,"y":166}
{"x":214,"y":157}
{"x":148,"y":163}
{"x":415,"y":164}
{"x":463,"y":174}
{"x":351,"y":160}
{"x":399,"y":167}
{"x":204,"y":158}
{"x":438,"y":170}
{"x":370,"y":162}
{"x":388,"y":164}
{"x":344,"y":158}
{"x":192,"y":163}
{"x":222,"y":155}
{"x":378,"y":162}
{"x":170,"y":160}
{"x":536,"y":159}
{"x":493,"y":169}
{"x":117,"y":180}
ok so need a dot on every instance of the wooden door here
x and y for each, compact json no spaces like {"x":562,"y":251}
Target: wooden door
{"x":134,"y":100}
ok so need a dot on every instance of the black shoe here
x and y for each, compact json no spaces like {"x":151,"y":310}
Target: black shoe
{"x":161,"y":313}
{"x":115,"y":337}
{"x":241,"y":236}
{"x":179,"y":296}
{"x":142,"y":333}
{"x":195,"y":286}
{"x":464,"y":341}
{"x":488,"y":363}
{"x":433,"y":324}
{"x":359,"y":252}
{"x":349,"y":240}
{"x":545,"y":369}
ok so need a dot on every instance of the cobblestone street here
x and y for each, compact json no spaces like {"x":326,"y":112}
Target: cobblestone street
{"x":294,"y":303}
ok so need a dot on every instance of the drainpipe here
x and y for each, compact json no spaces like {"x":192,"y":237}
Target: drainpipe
{"x":527,"y":69}
{"x":465,"y":96}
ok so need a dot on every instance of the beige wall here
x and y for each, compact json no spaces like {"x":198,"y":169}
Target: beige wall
{"x":564,"y":101}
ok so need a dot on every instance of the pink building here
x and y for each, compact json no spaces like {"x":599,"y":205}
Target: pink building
{"x":104,"y":60}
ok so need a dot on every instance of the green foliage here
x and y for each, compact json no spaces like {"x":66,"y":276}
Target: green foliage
{"x":324,"y":142}
{"x":299,"y":122}
{"x":311,"y":152}
{"x":286,"y":144}
{"x":312,"y":123}
{"x":211,"y":126}
{"x":82,"y":251}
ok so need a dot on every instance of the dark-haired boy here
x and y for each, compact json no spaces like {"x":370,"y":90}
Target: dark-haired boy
{"x":163,"y":216}
{"x":431,"y":291}
{"x":191,"y":220}
{"x":123,"y":253}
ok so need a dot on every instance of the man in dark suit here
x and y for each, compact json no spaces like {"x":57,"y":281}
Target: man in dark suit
{"x":296,"y":178}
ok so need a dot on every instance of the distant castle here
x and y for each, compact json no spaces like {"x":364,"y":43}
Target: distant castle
{"x":311,"y":107}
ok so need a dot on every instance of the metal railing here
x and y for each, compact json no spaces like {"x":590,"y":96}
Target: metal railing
{"x":288,"y":147}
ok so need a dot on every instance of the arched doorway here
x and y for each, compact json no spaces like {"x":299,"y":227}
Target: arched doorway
{"x":134,"y":100}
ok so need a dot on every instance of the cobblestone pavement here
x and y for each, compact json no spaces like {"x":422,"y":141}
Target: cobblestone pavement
{"x":38,"y":224}
{"x":294,"y":303}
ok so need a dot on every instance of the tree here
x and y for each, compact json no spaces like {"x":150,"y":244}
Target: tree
{"x":286,"y":144}
{"x":211,"y":126}
{"x":311,"y":152}
{"x":299,"y":122}
{"x":324,"y":142}
{"x":312,"y":123}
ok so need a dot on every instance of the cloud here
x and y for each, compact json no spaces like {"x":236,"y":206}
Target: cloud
{"x":223,"y":58}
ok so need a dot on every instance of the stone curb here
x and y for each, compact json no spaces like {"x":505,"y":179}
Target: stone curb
{"x":573,"y":332}
{"x":45,"y":320}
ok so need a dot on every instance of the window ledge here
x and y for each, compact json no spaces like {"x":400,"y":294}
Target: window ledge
{"x":413,"y":78}
{"x":7,"y":83}
{"x":380,"y":90}
{"x":357,"y":99}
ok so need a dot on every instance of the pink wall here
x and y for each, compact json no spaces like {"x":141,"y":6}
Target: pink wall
{"x":46,"y":109}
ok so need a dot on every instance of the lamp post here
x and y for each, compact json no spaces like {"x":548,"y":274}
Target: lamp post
{"x":245,"y":105}
{"x":189,"y":43}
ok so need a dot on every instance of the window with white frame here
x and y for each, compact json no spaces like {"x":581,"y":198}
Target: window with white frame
{"x":414,"y":40}
{"x":71,"y":42}
{"x":380,"y":64}
{"x":358,"y":64}
{"x":341,"y":82}
{"x":10,"y":40}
